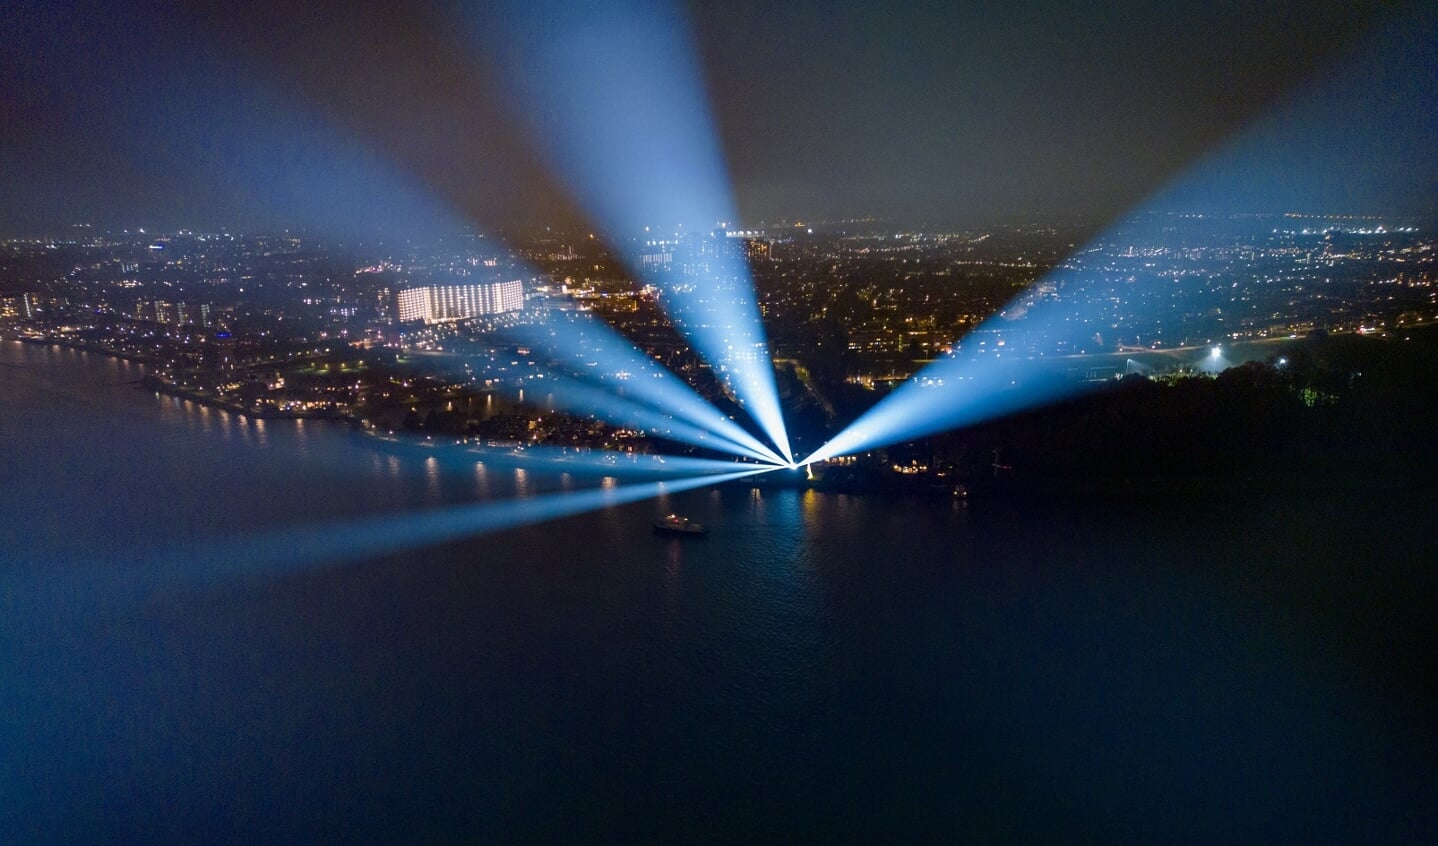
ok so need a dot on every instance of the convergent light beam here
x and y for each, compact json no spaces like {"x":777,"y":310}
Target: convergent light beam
{"x":576,"y":461}
{"x":576,"y":397}
{"x":588,"y":348}
{"x":223,"y":562}
{"x":373,"y":537}
{"x":1285,"y":160}
{"x":630,"y":133}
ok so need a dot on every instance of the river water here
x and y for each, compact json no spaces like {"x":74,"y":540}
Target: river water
{"x":820,"y":668}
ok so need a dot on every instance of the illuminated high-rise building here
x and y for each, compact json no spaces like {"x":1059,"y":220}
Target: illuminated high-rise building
{"x":457,"y":301}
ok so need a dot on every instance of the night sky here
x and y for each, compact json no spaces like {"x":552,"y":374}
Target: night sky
{"x":348,"y":117}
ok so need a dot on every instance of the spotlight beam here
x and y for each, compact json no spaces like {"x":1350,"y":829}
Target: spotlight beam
{"x":1282,"y":160}
{"x":579,"y":398}
{"x":946,"y":395}
{"x":578,"y":461}
{"x":977,"y":382}
{"x":225,"y":562}
{"x":349,"y":540}
{"x":715,"y":310}
{"x":589,"y":348}
{"x":630,"y":133}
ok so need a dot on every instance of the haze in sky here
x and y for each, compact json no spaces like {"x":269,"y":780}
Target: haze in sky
{"x":355,"y":116}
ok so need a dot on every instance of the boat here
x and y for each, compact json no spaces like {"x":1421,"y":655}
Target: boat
{"x":673,"y":524}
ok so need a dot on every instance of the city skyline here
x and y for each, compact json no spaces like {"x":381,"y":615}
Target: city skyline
{"x":289,"y":325}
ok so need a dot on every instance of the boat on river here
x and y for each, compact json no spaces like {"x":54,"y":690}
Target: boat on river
{"x":673,"y":524}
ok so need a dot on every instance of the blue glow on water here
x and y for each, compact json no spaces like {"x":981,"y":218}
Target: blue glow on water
{"x":371,"y":537}
{"x":208,"y":563}
{"x":629,"y":132}
{"x":586,"y":461}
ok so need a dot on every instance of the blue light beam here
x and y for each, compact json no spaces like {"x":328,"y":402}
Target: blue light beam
{"x":587,"y":347}
{"x":947,"y":394}
{"x":571,"y":396}
{"x":577,"y":461}
{"x":630,"y":133}
{"x":372,"y":537}
{"x":1379,"y":154}
{"x":144,"y":575}
{"x":576,"y":397}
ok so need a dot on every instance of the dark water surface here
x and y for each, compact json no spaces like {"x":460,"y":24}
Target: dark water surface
{"x":821,"y":668}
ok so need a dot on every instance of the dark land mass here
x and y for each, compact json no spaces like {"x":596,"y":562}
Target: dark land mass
{"x":1340,"y":411}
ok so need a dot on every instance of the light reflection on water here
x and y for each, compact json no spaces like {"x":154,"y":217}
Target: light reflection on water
{"x":431,"y":478}
{"x":481,"y":480}
{"x":302,"y":428}
{"x":673,"y":570}
{"x":847,"y":655}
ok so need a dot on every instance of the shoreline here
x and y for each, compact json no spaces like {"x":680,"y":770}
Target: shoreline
{"x":153,"y":383}
{"x":1294,"y":480}
{"x":984,"y":490}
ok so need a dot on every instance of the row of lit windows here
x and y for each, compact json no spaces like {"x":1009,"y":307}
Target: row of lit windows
{"x":434,"y":303}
